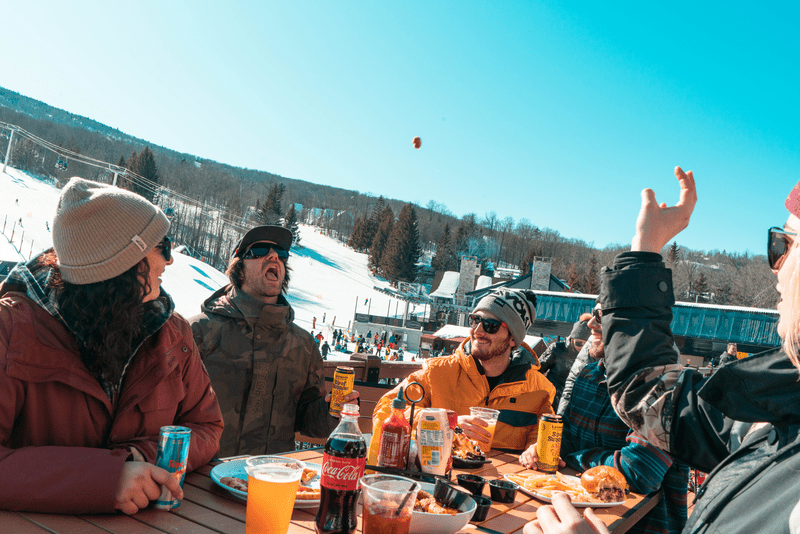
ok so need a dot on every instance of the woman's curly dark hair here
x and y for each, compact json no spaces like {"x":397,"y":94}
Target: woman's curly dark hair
{"x":235,"y":273}
{"x":105,"y":316}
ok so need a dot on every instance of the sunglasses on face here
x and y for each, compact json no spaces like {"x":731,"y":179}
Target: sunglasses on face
{"x":490,"y":326}
{"x":777,"y":246}
{"x":597,"y":313}
{"x":259,"y":251}
{"x":166,"y":248}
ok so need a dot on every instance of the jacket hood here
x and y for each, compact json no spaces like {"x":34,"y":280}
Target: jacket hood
{"x":761,"y":387}
{"x":229,"y":301}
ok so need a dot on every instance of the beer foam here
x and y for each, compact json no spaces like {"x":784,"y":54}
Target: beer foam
{"x":281,"y":475}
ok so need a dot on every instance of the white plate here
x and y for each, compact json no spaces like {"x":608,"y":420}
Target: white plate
{"x":235,"y":468}
{"x":567,"y":479}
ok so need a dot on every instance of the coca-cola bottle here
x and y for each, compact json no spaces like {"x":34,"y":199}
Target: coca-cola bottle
{"x":342,"y":467}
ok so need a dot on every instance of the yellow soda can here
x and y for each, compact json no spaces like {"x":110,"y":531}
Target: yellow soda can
{"x":548,"y":444}
{"x":343,"y":380}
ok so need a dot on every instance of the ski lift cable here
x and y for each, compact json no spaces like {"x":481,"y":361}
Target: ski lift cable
{"x":127,"y":174}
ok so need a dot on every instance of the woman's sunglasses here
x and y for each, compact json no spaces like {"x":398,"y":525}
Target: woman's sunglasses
{"x":490,"y":326}
{"x":259,"y":251}
{"x":166,"y":248}
{"x":777,"y":246}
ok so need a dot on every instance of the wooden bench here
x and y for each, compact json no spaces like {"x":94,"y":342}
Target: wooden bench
{"x":368,"y":393}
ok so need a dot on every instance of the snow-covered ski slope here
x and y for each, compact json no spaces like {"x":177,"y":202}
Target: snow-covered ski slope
{"x":328,"y":280}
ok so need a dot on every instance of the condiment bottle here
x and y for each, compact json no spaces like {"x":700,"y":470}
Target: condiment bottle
{"x":395,"y":436}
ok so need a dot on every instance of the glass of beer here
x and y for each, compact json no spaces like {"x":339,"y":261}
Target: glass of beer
{"x":272,"y":486}
{"x":388,"y":504}
{"x":490,"y":416}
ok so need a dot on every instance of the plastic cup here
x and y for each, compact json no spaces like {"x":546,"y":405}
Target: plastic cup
{"x":272,"y":486}
{"x":388,"y":504}
{"x":490,"y":416}
{"x":473,"y":483}
{"x":503,"y":491}
{"x":484,"y":505}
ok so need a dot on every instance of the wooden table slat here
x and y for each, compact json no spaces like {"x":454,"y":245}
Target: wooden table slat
{"x":120,"y":524}
{"x":203,"y":491}
{"x":63,"y":524}
{"x":169,"y":521}
{"x":13,"y":523}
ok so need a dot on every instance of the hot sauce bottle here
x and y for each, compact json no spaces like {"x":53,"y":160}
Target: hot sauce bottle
{"x":395,"y":436}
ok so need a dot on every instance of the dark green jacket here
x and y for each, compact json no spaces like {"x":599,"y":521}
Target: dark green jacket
{"x":267,"y":373}
{"x":752,"y":489}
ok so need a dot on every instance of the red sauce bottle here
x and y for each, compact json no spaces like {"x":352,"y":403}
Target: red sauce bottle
{"x":395,"y":436}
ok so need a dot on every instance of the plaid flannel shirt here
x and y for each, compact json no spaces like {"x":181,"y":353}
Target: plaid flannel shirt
{"x":593,"y":435}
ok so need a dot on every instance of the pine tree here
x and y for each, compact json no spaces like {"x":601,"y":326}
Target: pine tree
{"x":371,"y":225}
{"x":701,"y":287}
{"x":674,"y":253}
{"x":132,"y":165}
{"x":356,"y":241}
{"x":403,"y":248}
{"x":290,"y":222}
{"x":378,"y":245}
{"x":133,"y":162}
{"x":445,"y":258}
{"x":270,"y":212}
{"x":146,"y":168}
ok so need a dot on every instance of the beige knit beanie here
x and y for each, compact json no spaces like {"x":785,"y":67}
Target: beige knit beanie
{"x":101,"y":231}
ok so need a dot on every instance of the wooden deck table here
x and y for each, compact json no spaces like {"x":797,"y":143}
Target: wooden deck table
{"x":207,"y":508}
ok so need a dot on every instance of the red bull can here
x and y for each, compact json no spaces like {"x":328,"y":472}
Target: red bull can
{"x":173,"y":451}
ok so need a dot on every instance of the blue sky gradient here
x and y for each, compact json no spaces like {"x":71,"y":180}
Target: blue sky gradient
{"x":555,"y":112}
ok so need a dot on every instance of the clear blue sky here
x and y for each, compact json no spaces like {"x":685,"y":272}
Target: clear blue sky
{"x":557,"y":112}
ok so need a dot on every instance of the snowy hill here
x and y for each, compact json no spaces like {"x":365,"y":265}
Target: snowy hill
{"x":328,"y":279}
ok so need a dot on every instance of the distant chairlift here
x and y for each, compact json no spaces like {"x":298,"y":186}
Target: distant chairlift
{"x":61,"y":164}
{"x":5,"y":133}
{"x":169,"y":212}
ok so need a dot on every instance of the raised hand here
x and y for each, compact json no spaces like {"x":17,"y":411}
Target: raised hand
{"x":657,"y":224}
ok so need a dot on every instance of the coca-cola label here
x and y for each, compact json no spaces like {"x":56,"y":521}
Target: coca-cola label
{"x":341,"y":473}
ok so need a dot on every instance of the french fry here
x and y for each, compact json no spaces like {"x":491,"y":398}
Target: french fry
{"x":547,"y":485}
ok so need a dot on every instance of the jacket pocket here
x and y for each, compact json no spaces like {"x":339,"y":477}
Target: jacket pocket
{"x":160,"y":407}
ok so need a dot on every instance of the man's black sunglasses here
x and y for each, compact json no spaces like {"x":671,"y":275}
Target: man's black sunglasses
{"x":490,"y":326}
{"x":259,"y":251}
{"x":166,"y":248}
{"x":777,"y":246}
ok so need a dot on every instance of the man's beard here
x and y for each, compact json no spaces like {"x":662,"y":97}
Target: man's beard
{"x":597,"y":351}
{"x":493,"y":351}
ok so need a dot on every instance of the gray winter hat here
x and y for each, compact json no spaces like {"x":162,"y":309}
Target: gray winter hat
{"x":580,"y":330}
{"x":101,"y":231}
{"x":515,"y":307}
